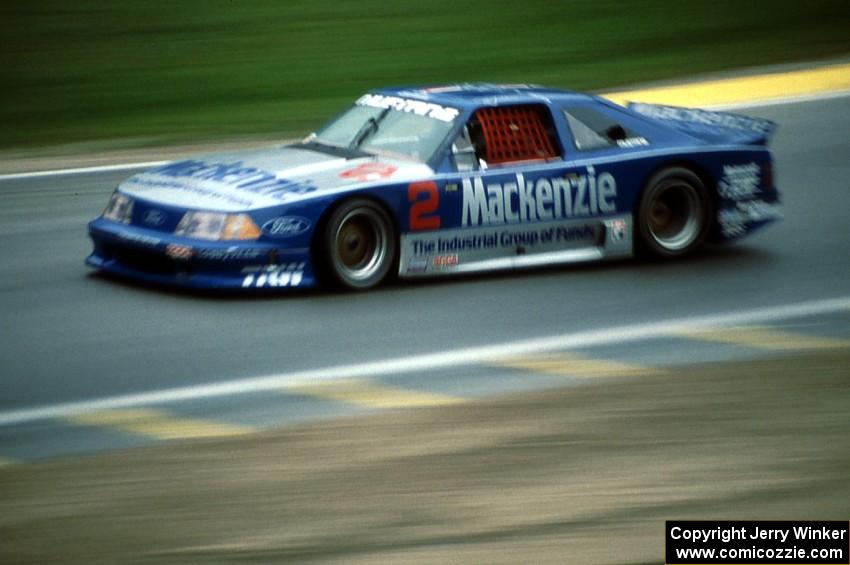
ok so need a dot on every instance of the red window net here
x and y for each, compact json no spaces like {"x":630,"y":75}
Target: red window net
{"x":514,"y":134}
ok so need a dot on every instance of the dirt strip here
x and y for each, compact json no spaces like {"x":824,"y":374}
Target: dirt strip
{"x":578,"y":475}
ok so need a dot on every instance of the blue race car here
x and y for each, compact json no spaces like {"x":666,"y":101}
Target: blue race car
{"x":420,"y":182}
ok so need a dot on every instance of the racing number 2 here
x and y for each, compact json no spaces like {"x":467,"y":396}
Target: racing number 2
{"x":422,"y":210}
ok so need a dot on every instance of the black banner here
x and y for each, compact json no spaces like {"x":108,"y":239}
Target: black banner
{"x":757,"y":542}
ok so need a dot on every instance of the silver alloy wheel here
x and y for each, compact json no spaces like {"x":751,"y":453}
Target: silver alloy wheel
{"x":674,"y":215}
{"x":361,"y":244}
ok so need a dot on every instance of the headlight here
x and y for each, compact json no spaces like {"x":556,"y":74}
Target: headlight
{"x":217,"y":226}
{"x":119,"y":209}
{"x":240,"y":226}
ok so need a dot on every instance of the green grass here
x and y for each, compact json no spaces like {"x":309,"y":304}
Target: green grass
{"x":146,"y":72}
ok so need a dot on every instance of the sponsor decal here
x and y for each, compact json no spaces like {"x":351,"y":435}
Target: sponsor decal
{"x":507,"y":238}
{"x":739,"y":182}
{"x":722,"y":119}
{"x":234,"y":175}
{"x":154,"y":218}
{"x":229,"y":253}
{"x":502,"y":246}
{"x":369,"y":172}
{"x":273,"y":276}
{"x":418,"y":107}
{"x":544,"y":199}
{"x":145,"y":182}
{"x":417,"y":265}
{"x":179,"y":252}
{"x":142,"y":239}
{"x":759,"y":210}
{"x":286,"y":226}
{"x":443,"y":261}
{"x":734,"y":221}
{"x":617,"y":229}
{"x":632,"y":142}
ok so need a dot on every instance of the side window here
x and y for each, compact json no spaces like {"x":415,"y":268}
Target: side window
{"x":507,"y":134}
{"x":464,"y":152}
{"x":594,"y":130}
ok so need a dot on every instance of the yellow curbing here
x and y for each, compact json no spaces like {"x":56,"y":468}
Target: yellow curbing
{"x":157,"y":424}
{"x":757,"y":337}
{"x":774,"y":86}
{"x":573,"y":365}
{"x":368,"y":394}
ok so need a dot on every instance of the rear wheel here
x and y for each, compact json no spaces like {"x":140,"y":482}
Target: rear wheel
{"x":359,"y":244}
{"x":673,"y":214}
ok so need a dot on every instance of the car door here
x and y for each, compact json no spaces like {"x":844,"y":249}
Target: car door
{"x":517,"y":198}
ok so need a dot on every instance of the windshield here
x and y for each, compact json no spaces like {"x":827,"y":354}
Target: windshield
{"x":387,"y":124}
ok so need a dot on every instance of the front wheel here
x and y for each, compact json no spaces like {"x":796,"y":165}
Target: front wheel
{"x":673,"y":216}
{"x":359,"y":244}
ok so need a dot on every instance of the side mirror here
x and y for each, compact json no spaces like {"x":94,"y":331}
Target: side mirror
{"x":615,"y":133}
{"x":464,"y":158}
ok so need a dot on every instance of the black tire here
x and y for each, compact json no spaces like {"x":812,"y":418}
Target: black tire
{"x":359,"y":244}
{"x":674,"y":214}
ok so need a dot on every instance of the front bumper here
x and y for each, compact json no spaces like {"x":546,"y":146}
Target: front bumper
{"x":162,"y":258}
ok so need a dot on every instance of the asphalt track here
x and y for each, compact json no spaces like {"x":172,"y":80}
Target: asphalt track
{"x":579,"y":475}
{"x":69,"y":335}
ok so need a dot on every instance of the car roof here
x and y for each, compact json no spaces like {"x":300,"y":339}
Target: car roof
{"x":473,"y":95}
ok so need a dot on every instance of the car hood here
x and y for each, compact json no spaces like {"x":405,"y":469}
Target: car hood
{"x":249,"y":180}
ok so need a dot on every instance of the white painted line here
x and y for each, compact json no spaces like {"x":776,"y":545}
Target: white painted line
{"x":467,"y":356}
{"x":130,"y":166}
{"x":82,"y":170}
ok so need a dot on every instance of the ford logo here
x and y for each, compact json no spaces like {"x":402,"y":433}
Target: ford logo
{"x":154,"y":218}
{"x":287,"y":226}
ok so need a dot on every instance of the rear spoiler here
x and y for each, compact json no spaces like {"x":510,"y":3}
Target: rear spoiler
{"x":709,"y":125}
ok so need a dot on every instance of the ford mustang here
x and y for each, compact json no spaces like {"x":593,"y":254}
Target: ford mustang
{"x":415,"y":182}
